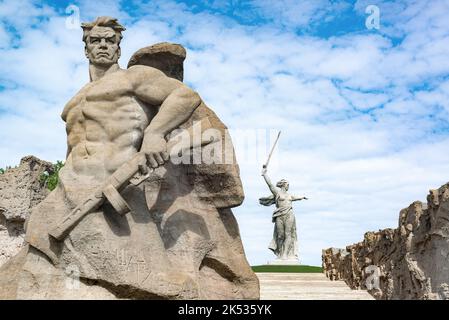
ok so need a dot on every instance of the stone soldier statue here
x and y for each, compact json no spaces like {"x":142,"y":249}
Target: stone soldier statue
{"x":284,"y":243}
{"x":179,"y":239}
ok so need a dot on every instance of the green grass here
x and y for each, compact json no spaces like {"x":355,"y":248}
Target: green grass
{"x":291,"y":269}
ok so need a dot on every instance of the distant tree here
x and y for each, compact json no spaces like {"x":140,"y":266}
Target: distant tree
{"x":50,"y":179}
{"x":3,"y":170}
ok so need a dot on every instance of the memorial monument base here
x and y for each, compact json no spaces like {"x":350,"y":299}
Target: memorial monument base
{"x":280,"y":262}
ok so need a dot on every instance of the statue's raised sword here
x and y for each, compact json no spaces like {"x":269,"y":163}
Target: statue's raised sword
{"x":265,"y":166}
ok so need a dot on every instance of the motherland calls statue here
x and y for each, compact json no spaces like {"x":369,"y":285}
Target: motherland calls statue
{"x":284,"y":243}
{"x":126,"y":219}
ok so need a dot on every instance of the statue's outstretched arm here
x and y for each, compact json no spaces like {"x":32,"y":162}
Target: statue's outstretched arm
{"x":298,"y":198}
{"x":268,"y":181}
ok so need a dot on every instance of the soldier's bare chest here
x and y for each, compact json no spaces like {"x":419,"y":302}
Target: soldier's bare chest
{"x":110,"y":88}
{"x":106,"y":91}
{"x":104,"y":100}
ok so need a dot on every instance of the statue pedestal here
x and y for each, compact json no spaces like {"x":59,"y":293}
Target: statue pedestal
{"x":280,"y":262}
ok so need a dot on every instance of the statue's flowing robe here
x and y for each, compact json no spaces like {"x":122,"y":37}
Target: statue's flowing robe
{"x":284,"y":219}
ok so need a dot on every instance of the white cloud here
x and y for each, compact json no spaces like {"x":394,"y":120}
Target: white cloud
{"x":4,"y":37}
{"x":89,"y":10}
{"x":22,"y":14}
{"x":299,"y":14}
{"x":362,"y":114}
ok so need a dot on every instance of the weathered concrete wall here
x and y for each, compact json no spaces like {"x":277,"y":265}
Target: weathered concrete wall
{"x":409,"y":262}
{"x":20,"y":190}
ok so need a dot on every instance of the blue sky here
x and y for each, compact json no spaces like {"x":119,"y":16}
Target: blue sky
{"x":363,"y":112}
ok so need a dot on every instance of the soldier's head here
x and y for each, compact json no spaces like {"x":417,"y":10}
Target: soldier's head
{"x":102,"y":40}
{"x":283,"y":184}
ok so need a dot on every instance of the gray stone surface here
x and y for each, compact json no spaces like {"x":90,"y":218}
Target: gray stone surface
{"x":305,"y":286}
{"x":170,"y":236}
{"x":409,"y":262}
{"x":167,"y":57}
{"x":20,"y":190}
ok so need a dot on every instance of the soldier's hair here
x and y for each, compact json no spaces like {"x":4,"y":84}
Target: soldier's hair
{"x":103,"y":22}
{"x":281,"y":183}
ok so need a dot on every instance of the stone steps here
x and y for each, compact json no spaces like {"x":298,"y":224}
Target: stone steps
{"x":306,"y":286}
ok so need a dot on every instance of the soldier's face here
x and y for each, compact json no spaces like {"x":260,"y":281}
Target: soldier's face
{"x":102,"y":47}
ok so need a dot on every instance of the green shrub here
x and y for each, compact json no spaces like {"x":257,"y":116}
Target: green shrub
{"x":3,"y":170}
{"x":50,"y":179}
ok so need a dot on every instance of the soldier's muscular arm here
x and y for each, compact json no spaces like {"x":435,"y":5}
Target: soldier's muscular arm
{"x":177,"y":102}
